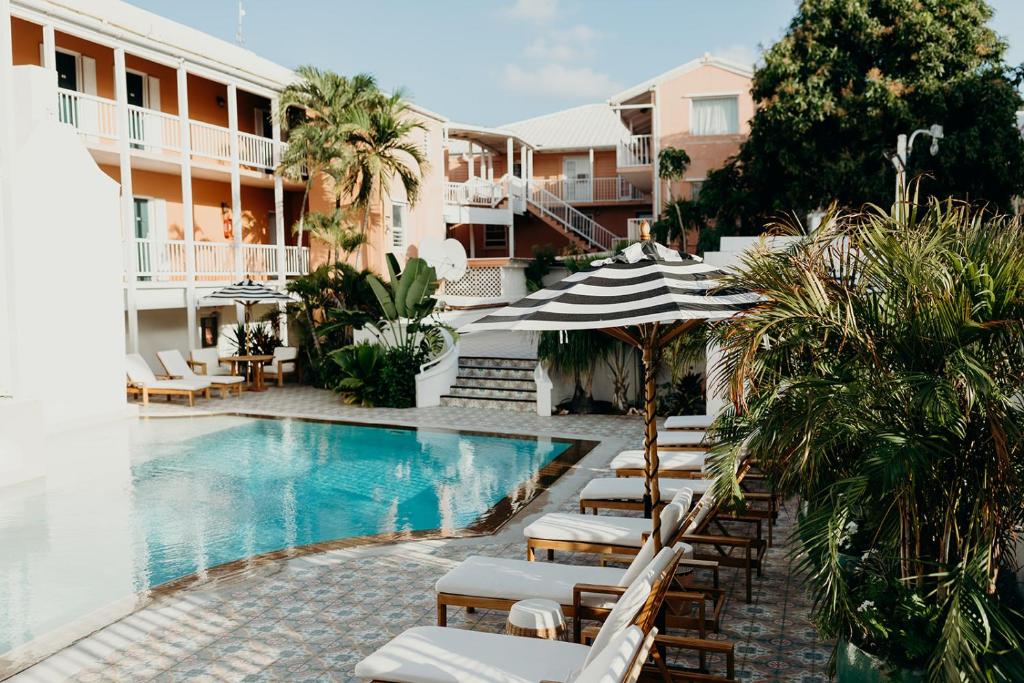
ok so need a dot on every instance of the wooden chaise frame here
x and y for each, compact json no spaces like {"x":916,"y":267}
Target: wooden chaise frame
{"x":146,"y":392}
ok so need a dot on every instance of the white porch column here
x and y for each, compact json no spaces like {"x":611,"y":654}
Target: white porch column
{"x":509,"y":156}
{"x":49,"y":48}
{"x":127,"y":199}
{"x":471,"y":162}
{"x":236,"y":182}
{"x":522,"y":161}
{"x":472,"y":241}
{"x":529,"y":165}
{"x":490,"y":166}
{"x":509,"y":152}
{"x":591,"y":155}
{"x":7,"y":283}
{"x":187,"y":209}
{"x":655,"y":151}
{"x":282,"y":270}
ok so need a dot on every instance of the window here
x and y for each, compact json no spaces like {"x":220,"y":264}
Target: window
{"x":67,"y":70}
{"x":495,"y":236}
{"x":715,"y":116}
{"x":517,"y":169}
{"x":209,"y":330}
{"x":695,"y":187}
{"x":398,"y":225}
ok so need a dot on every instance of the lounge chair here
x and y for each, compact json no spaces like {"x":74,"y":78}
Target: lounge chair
{"x":681,"y":440}
{"x":434,"y":654}
{"x":177,"y":367}
{"x":610,"y":535}
{"x":285,"y":362}
{"x":498,"y":583}
{"x":142,"y":381}
{"x":677,"y":464}
{"x":694,"y":422}
{"x":207,"y":362}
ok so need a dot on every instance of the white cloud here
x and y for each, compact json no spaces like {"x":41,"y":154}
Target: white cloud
{"x":539,"y":11}
{"x":558,"y":80}
{"x":572,"y":44}
{"x":744,"y":55}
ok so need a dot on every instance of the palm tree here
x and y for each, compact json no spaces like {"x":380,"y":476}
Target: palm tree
{"x":383,"y":149}
{"x":880,"y":381}
{"x":337,"y":229}
{"x":317,"y":111}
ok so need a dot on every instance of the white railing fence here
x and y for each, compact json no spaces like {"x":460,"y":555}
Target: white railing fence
{"x":254,"y":150}
{"x":210,"y":141}
{"x":475,"y":192}
{"x":579,"y":223}
{"x":634,"y":151}
{"x":165,"y":260}
{"x":615,"y":189}
{"x":153,"y":130}
{"x":91,"y":115}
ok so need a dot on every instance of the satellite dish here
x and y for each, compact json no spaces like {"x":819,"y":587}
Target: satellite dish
{"x":448,"y":258}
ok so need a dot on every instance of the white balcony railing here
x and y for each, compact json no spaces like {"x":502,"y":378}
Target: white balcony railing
{"x":594,"y":190}
{"x":475,"y":192}
{"x":254,"y":150}
{"x":153,"y":130}
{"x":634,"y":151}
{"x":210,"y":141}
{"x":92,"y":116}
{"x":160,"y":260}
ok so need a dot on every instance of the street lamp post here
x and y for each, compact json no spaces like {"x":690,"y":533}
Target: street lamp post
{"x":899,"y":160}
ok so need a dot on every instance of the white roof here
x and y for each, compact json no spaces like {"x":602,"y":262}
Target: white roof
{"x":590,"y":125}
{"x":707,"y":58}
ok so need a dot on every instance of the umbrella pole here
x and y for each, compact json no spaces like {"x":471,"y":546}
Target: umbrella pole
{"x":652,"y":490}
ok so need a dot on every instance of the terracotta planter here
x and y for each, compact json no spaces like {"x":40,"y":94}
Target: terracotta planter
{"x":854,"y":665}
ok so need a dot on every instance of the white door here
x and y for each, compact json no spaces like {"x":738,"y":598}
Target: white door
{"x":576,"y":171}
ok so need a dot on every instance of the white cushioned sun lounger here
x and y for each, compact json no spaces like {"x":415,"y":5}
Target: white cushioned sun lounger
{"x":671,"y":461}
{"x":632,"y":488}
{"x":142,"y":380}
{"x":689,"y":422}
{"x":435,"y":654}
{"x":176,"y":366}
{"x":680,"y":439}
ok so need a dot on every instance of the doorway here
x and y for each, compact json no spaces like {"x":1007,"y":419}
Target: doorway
{"x":576,"y":171}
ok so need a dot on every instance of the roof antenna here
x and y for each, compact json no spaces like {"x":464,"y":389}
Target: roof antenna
{"x":239,"y":38}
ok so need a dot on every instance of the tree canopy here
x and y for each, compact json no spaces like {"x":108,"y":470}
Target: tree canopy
{"x":848,"y":77}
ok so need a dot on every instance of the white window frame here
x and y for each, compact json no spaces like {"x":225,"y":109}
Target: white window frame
{"x":491,"y":241}
{"x":692,"y":181}
{"x":398,"y":237}
{"x":714,"y":96}
{"x":79,"y":75}
{"x":145,"y":85}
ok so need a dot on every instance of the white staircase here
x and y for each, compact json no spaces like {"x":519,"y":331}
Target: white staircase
{"x":561,"y":215}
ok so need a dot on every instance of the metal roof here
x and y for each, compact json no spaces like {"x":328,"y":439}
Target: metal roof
{"x":583,"y":127}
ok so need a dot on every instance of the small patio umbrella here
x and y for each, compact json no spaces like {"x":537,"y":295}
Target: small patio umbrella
{"x":646,"y":296}
{"x":248,"y":293}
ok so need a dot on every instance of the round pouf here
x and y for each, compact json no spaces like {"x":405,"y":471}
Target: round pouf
{"x":536,"y":618}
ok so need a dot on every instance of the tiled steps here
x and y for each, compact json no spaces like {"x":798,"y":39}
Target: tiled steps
{"x":494,"y":383}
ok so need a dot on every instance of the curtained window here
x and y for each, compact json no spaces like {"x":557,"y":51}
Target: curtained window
{"x":715,"y":116}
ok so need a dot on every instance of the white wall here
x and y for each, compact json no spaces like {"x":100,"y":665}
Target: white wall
{"x":67,"y":302}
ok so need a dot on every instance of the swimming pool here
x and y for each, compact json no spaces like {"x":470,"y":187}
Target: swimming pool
{"x":174,"y":498}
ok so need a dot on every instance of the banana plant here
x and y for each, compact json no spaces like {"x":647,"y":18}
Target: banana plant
{"x":409,"y":298}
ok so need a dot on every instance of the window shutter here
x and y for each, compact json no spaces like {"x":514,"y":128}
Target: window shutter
{"x":154,"y":125}
{"x":88,"y":75}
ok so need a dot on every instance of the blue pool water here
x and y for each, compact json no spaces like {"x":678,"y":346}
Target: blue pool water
{"x":127,"y":508}
{"x":272,"y":484}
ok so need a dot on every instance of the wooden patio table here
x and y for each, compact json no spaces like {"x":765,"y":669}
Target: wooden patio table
{"x":256,"y":363}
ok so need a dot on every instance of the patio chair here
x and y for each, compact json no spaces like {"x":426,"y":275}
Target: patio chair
{"x":177,"y":367}
{"x":498,"y":583}
{"x":429,"y":654}
{"x":672,"y":464}
{"x":142,"y":381}
{"x":694,"y":422}
{"x":681,"y":440}
{"x":285,"y":362}
{"x":207,"y":362}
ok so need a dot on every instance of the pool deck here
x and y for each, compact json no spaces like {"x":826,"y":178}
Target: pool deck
{"x":312,"y":618}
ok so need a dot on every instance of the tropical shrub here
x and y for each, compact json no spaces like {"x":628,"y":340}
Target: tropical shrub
{"x":360,"y":372}
{"x":398,"y":376}
{"x":575,"y":353}
{"x":539,"y":266}
{"x":880,"y":381}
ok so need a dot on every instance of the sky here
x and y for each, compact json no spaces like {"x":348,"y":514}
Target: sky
{"x":490,"y":62}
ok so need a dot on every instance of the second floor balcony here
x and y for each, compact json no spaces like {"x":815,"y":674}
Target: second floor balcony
{"x":160,"y":133}
{"x":165,"y":261}
{"x":594,"y":190}
{"x":634,"y":151}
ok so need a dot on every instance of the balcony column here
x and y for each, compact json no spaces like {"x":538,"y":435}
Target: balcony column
{"x":469,"y":173}
{"x":529,"y":165}
{"x":49,"y":48}
{"x":655,"y":151}
{"x":127,"y":199}
{"x":282,"y":269}
{"x":187,"y":209}
{"x":522,"y":161}
{"x":508,"y":192}
{"x":236,"y":182}
{"x":591,"y":154}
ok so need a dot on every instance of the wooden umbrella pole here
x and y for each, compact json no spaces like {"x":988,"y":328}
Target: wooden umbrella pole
{"x":652,"y":490}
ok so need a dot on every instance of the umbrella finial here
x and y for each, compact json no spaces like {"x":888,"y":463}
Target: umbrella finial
{"x":645,"y":230}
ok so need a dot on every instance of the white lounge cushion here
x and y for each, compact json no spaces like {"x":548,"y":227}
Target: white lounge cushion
{"x":138,"y":369}
{"x":612,"y":664}
{"x":225,"y":379}
{"x":284,"y":356}
{"x":632,"y":488}
{"x":497,"y":577}
{"x":689,"y":422}
{"x":670,"y":439}
{"x":603,"y":529}
{"x":435,"y":654}
{"x":174,"y":364}
{"x":668,"y":461}
{"x":184,"y":384}
{"x":211,"y":357}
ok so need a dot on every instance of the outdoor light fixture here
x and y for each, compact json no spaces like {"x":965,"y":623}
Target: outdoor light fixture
{"x":903,"y":148}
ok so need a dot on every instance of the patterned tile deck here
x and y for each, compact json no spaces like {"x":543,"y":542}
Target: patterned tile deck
{"x":312,"y":618}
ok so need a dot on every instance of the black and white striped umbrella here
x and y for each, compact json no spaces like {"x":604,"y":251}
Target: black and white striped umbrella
{"x":247,"y":292}
{"x":646,"y":283}
{"x":647,"y":295}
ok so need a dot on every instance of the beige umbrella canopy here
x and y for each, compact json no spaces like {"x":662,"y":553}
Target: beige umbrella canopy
{"x":647,"y":295}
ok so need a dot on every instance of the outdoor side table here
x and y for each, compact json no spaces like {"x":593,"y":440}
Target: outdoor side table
{"x":536,"y":618}
{"x":256,"y":363}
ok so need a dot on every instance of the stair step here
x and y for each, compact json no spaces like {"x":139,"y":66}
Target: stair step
{"x":496,"y":382}
{"x":494,"y":362}
{"x":507,"y":404}
{"x":496,"y":373}
{"x":492,"y":392}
